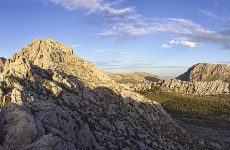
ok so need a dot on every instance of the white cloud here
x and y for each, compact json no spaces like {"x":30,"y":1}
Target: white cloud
{"x":75,"y":45}
{"x":124,"y":23}
{"x":181,"y":41}
{"x":166,"y":46}
{"x":178,"y":27}
{"x":92,"y":6}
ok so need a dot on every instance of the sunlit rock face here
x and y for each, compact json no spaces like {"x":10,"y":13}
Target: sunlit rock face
{"x":52,"y":99}
{"x":207,"y":72}
{"x":183,"y":87}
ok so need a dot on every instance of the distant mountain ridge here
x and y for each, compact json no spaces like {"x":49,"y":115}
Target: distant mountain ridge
{"x":174,"y":86}
{"x":143,"y":82}
{"x":134,"y":77}
{"x":207,"y":72}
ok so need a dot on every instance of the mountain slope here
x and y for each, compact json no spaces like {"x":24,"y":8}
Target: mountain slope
{"x":135,"y":77}
{"x":52,"y":99}
{"x":2,"y":63}
{"x":207,"y":72}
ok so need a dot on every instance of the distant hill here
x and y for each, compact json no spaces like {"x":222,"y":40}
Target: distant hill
{"x":134,"y":77}
{"x":207,"y":72}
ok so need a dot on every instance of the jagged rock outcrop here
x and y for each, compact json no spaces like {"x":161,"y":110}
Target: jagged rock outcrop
{"x":52,"y":99}
{"x":183,"y":87}
{"x":2,"y":63}
{"x":207,"y":72}
{"x":197,"y":88}
{"x":135,"y":77}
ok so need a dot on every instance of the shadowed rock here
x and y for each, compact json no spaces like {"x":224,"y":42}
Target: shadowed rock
{"x":2,"y":63}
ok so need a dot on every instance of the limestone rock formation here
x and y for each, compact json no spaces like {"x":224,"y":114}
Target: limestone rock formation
{"x":198,"y":88}
{"x":183,"y":87}
{"x":135,"y":77}
{"x":207,"y":72}
{"x":2,"y":63}
{"x":52,"y":99}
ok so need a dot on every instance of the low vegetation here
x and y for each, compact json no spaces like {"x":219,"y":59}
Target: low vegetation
{"x":212,"y":111}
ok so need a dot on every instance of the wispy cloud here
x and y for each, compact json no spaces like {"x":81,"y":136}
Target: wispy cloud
{"x":194,"y":33}
{"x":182,"y":41}
{"x":108,"y":51}
{"x":212,"y":14}
{"x":137,"y":65}
{"x":107,"y":63}
{"x":124,"y":23}
{"x":93,"y":6}
{"x":75,"y":45}
{"x":209,"y":13}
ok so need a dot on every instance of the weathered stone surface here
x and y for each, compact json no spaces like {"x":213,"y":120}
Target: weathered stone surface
{"x":197,"y":88}
{"x":207,"y":72}
{"x":46,"y":142}
{"x":52,"y":99}
{"x":19,"y":127}
{"x":183,"y":87}
{"x":2,"y":64}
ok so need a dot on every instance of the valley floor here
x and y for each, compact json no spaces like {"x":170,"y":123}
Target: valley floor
{"x":217,"y":135}
{"x":207,"y":117}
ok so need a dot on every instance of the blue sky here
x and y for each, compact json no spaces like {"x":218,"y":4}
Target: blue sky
{"x":163,"y":37}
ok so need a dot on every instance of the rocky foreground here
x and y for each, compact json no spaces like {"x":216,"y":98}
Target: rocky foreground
{"x":52,"y":99}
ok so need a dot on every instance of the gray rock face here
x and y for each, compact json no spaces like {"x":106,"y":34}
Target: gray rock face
{"x":52,"y":99}
{"x":198,"y":88}
{"x":207,"y":72}
{"x":2,"y":63}
{"x":183,"y":87}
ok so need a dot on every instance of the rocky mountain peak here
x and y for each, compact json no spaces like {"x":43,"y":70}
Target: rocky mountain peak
{"x":207,"y":72}
{"x":47,"y":45}
{"x":50,"y":54}
{"x":46,"y":52}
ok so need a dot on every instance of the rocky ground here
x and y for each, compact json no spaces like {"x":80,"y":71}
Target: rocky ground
{"x":212,"y":134}
{"x":52,"y":99}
